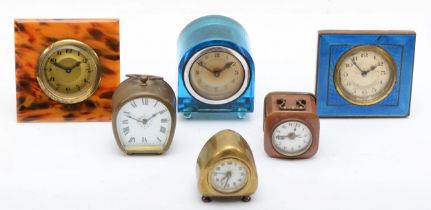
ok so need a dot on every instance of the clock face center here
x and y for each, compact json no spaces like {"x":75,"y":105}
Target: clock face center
{"x":299,"y":138}
{"x":291,"y":136}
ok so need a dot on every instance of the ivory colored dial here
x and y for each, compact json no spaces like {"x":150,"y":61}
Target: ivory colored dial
{"x":68,"y":72}
{"x":365,"y":75}
{"x":292,"y":138}
{"x":143,"y":121}
{"x":217,"y":75}
{"x":229,"y":175}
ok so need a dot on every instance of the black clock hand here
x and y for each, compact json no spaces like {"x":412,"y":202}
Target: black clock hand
{"x":227,"y":180}
{"x":145,"y":121}
{"x":68,"y":70}
{"x":76,"y":65}
{"x":133,"y":118}
{"x":373,"y":67}
{"x":59,"y":66}
{"x":357,"y":66}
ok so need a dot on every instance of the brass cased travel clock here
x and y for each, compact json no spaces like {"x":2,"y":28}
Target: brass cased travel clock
{"x":226,"y":167}
{"x":144,"y":115}
{"x":291,"y":125}
{"x":69,"y":71}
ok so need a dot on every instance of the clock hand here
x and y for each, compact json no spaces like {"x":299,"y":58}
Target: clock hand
{"x":76,"y":65}
{"x":68,"y":70}
{"x":226,"y":66}
{"x":205,"y":67}
{"x":59,"y":66}
{"x":373,"y":67}
{"x":357,"y":66}
{"x":145,"y":121}
{"x":133,"y":118}
{"x":227,"y":180}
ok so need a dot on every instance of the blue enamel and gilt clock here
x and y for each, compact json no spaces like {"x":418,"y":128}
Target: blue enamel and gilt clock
{"x":216,"y":70}
{"x":365,"y":73}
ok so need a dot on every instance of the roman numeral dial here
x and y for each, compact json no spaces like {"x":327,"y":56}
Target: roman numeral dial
{"x":143,"y":121}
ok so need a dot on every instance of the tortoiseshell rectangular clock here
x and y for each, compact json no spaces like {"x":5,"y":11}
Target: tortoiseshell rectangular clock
{"x":66,"y":70}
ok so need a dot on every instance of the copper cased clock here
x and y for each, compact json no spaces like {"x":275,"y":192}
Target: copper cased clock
{"x":291,"y":125}
{"x":144,"y":115}
{"x":226,"y":168}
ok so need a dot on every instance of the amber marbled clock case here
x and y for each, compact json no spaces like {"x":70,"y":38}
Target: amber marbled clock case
{"x":33,"y":36}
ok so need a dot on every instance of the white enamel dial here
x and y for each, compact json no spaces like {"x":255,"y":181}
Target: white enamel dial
{"x":365,"y":75}
{"x":144,"y":122}
{"x":229,"y":175}
{"x":292,"y":138}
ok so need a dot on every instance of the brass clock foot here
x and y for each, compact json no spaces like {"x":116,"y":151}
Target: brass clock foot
{"x":206,"y":199}
{"x":246,"y":198}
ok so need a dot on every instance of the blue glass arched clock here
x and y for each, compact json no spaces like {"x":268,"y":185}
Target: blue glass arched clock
{"x":216,"y":70}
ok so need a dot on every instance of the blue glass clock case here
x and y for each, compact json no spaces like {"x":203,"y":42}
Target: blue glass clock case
{"x":206,"y":32}
{"x":333,"y":44}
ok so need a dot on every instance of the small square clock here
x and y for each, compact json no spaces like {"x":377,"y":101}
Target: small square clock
{"x":364,"y":73}
{"x":66,"y":70}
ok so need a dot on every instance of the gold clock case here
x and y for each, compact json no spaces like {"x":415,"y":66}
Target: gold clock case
{"x":226,"y":144}
{"x":144,"y":86}
{"x":388,"y":89}
{"x":65,"y":98}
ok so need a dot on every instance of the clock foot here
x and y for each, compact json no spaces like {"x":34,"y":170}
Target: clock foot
{"x":187,"y":115}
{"x":246,"y":198}
{"x":241,"y":115}
{"x":206,"y":199}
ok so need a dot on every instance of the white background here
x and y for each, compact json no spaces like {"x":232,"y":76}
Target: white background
{"x":361,"y":163}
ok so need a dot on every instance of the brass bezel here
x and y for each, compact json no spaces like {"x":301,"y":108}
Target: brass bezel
{"x":128,"y":91}
{"x":296,"y":153}
{"x":42,"y":80}
{"x":211,"y":169}
{"x":388,"y":88}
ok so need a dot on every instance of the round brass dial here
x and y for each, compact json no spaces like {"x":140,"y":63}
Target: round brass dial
{"x":68,"y":71}
{"x":365,"y":75}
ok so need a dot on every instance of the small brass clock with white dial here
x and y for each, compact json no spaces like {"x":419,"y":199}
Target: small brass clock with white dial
{"x":365,"y":75}
{"x":68,"y":71}
{"x":144,"y":115}
{"x":226,"y":167}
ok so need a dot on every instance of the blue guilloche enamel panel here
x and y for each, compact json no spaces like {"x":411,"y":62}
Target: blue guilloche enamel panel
{"x":333,"y":44}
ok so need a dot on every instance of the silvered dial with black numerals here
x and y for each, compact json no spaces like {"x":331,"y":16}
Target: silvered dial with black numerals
{"x":144,"y":121}
{"x":291,"y":138}
{"x":229,"y":175}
